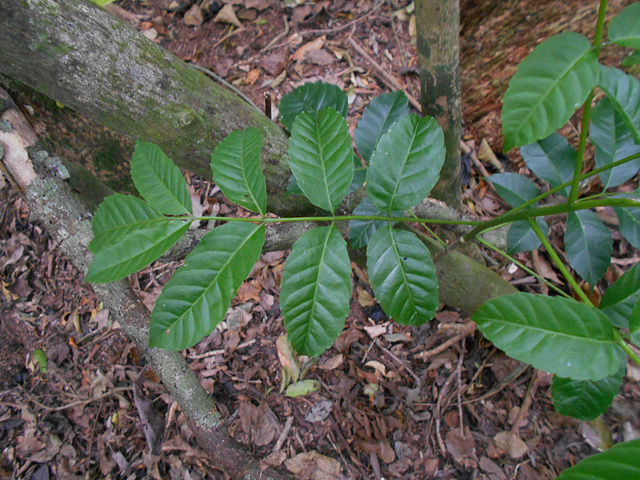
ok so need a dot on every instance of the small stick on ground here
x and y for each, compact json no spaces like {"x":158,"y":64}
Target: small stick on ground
{"x":283,"y":435}
{"x":468,"y":330}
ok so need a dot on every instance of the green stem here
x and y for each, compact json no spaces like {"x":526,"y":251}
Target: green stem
{"x":599,"y":32}
{"x":628,"y":350}
{"x":383,"y":218}
{"x":523,"y":267}
{"x":584,"y":130}
{"x":559,"y":263}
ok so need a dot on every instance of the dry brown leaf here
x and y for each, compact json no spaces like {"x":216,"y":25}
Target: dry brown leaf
{"x":320,"y":57}
{"x":194,"y":17}
{"x":314,"y":466}
{"x":274,"y":63}
{"x":287,"y":357}
{"x":511,"y":444}
{"x":252,"y":76}
{"x":302,"y":52}
{"x":333,"y":363}
{"x":376,"y":330}
{"x":259,"y":424}
{"x":365,"y":299}
{"x":227,"y":15}
{"x":462,"y":447}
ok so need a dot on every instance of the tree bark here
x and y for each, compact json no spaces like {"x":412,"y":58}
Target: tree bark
{"x":438,"y":24}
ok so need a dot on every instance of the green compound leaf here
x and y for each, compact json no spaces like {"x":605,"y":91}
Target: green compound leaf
{"x":624,"y":93}
{"x":312,"y":98}
{"x":117,"y":216}
{"x":552,"y":159}
{"x":629,"y":219}
{"x":380,"y":114}
{"x":585,"y":399}
{"x":522,"y":238}
{"x":613,"y":142}
{"x":549,"y":86}
{"x":620,"y":298}
{"x":403,"y":276}
{"x":625,"y":27}
{"x":159,"y":181}
{"x":515,"y":189}
{"x":588,"y":244}
{"x":197,"y":297}
{"x":553,"y":334}
{"x":315,"y":290}
{"x":360,"y":231}
{"x":622,"y":462}
{"x":135,"y":251}
{"x":235,"y":164}
{"x":321,"y":157}
{"x":406,"y":163}
{"x":359,"y":175}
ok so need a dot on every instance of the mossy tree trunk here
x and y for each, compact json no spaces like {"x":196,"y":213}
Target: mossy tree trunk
{"x":438,"y":31}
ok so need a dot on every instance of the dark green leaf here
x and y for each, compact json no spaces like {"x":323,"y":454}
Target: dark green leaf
{"x":199,"y":294}
{"x":406,"y":163}
{"x":585,"y":399}
{"x":313,"y":98}
{"x":117,"y":216}
{"x":549,"y":86}
{"x":631,"y":60}
{"x":135,"y":251}
{"x":515,"y":189}
{"x":622,"y":462}
{"x":315,"y":290}
{"x":360,"y":231}
{"x":624,"y":93}
{"x":521,"y":238}
{"x":629,"y":219}
{"x":321,"y":157}
{"x":588,"y":244}
{"x":625,"y":27}
{"x":235,"y":164}
{"x":552,"y":159}
{"x":403,"y":276}
{"x":159,"y":181}
{"x":634,"y":325}
{"x":293,"y":188}
{"x":380,"y":114}
{"x":613,"y":142}
{"x":621,"y":297}
{"x":553,"y":334}
{"x":359,"y":175}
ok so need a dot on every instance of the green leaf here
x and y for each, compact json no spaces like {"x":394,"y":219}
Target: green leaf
{"x":622,"y":462}
{"x":613,"y":142}
{"x":631,"y":60}
{"x":199,"y":294}
{"x":515,"y":189}
{"x":522,"y":238}
{"x":359,"y":175}
{"x":549,"y":86}
{"x":624,"y":93}
{"x":303,"y":388}
{"x":315,"y":290}
{"x":553,"y":334}
{"x":235,"y":164}
{"x":312,"y":98}
{"x":625,"y":27}
{"x":360,"y":231}
{"x":117,"y":216}
{"x":585,"y":399}
{"x":321,"y":157}
{"x":403,"y":276}
{"x":629,"y":219}
{"x":406,"y":163}
{"x":552,"y":159}
{"x":588,"y":244}
{"x":135,"y":251}
{"x":621,"y":297}
{"x":380,"y":114}
{"x":159,"y":181}
{"x":634,"y":325}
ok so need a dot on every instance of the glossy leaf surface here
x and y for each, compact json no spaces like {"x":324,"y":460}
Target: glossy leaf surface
{"x":199,"y":294}
{"x":620,"y":298}
{"x":235,"y":164}
{"x":403,"y":276}
{"x":588,"y":244}
{"x":552,"y":159}
{"x":119,"y":215}
{"x":360,"y":231}
{"x":515,"y":189}
{"x":378,"y":116}
{"x":549,"y":86}
{"x":613,"y":142}
{"x":585,"y":399}
{"x":159,"y":181}
{"x":321,"y":157}
{"x":629,"y":219}
{"x":315,"y":290}
{"x":406,"y":163}
{"x":624,"y":93}
{"x":625,"y":27}
{"x":312,"y":98}
{"x":522,"y":238}
{"x":622,"y":462}
{"x":553,"y":334}
{"x":135,"y":251}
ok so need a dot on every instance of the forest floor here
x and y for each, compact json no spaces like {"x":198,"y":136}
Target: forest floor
{"x":436,"y":401}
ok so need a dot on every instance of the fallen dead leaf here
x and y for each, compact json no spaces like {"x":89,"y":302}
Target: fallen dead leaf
{"x":259,"y":425}
{"x":511,"y":444}
{"x":227,"y":15}
{"x":462,"y":447}
{"x":193,"y":17}
{"x":274,"y":63}
{"x":252,"y":76}
{"x":302,"y":52}
{"x":314,"y":466}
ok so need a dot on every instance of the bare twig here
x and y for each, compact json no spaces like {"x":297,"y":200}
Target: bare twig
{"x":79,"y":402}
{"x":228,"y":36}
{"x":469,"y":329}
{"x":222,"y":81}
{"x":339,"y":28}
{"x":283,"y":435}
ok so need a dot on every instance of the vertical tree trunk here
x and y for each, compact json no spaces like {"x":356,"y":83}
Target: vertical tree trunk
{"x":438,"y":23}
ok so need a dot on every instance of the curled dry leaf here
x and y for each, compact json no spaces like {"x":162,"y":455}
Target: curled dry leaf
{"x":227,"y":15}
{"x":313,"y":466}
